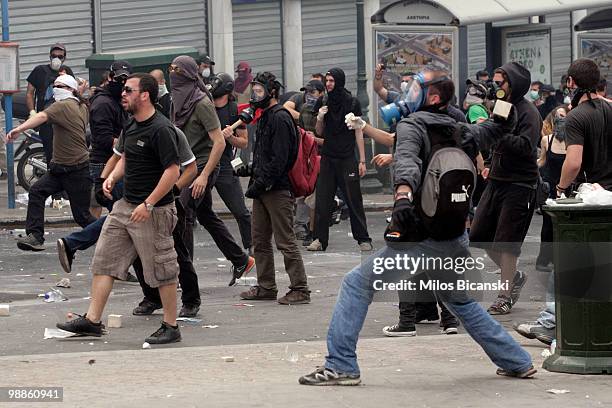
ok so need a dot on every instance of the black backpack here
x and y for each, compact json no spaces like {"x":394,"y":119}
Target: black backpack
{"x":444,"y":199}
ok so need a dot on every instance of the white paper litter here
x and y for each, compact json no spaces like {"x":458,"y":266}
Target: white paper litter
{"x":596,"y":197}
{"x":188,"y":320}
{"x":146,"y":345}
{"x":556,"y":391}
{"x":546,"y":353}
{"x":64,"y":283}
{"x":57,"y":334}
{"x":209,"y":326}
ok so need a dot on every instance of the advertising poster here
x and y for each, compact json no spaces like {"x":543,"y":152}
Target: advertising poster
{"x":403,"y":52}
{"x":599,"y":49}
{"x":530,"y":48}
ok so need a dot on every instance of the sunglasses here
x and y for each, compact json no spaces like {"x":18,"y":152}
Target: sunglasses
{"x":62,"y":57}
{"x":129,"y":90}
{"x":174,"y":68}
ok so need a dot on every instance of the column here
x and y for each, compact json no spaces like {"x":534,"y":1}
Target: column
{"x":292,"y":44}
{"x":222,"y":36}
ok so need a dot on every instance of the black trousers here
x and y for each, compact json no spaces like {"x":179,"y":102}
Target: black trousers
{"x":75,"y":181}
{"x":229,"y":189}
{"x":202,"y":210}
{"x":343,"y":174}
{"x":187,"y":274}
{"x":408,"y":312}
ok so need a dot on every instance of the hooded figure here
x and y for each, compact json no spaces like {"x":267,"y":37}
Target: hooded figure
{"x":515,"y":156}
{"x":339,"y":102}
{"x":244,"y":77}
{"x":187,"y":89}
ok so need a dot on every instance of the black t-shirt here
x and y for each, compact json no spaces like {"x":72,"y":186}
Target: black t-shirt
{"x":149,"y":148}
{"x":340,"y":143}
{"x":590,"y":125}
{"x":42,"y":78}
{"x":228,"y":115}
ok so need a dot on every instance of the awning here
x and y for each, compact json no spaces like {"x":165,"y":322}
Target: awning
{"x":595,"y":21}
{"x":467,"y":12}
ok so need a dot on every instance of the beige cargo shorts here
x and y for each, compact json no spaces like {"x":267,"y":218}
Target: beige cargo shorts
{"x":121,"y":241}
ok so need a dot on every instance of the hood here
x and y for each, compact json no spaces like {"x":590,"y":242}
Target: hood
{"x":339,"y":77}
{"x":519,"y":78}
{"x":102,"y":92}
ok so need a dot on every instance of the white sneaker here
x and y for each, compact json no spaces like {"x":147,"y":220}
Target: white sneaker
{"x":316,"y":245}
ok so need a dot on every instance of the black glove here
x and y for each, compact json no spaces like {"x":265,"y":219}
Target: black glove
{"x":404,"y":225}
{"x":99,"y":193}
{"x":256,"y":189}
{"x":244,"y":171}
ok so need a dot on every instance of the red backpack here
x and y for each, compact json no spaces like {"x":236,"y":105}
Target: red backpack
{"x":305,"y":170}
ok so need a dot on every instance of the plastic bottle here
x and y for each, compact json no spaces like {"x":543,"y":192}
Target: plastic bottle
{"x":54,"y":296}
{"x":246,"y":281}
{"x":553,"y":346}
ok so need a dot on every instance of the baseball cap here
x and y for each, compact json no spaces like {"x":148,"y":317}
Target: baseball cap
{"x":205,"y":59}
{"x":58,"y":46}
{"x":119,"y":68}
{"x":313,"y":85}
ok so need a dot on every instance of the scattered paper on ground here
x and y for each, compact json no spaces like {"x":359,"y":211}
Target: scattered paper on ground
{"x":57,"y":334}
{"x":556,"y":391}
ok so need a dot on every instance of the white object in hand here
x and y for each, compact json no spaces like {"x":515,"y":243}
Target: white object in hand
{"x":322,"y":111}
{"x":354,"y":122}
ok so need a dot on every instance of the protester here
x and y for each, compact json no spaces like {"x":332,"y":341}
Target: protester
{"x":142,"y":222}
{"x":164,"y":100}
{"x":275,"y":152}
{"x":483,"y":75}
{"x":68,"y":169}
{"x":242,"y":82}
{"x":228,"y":184}
{"x":339,"y":166}
{"x":39,"y":94}
{"x":357,"y":290}
{"x":474,"y":101}
{"x":602,"y":88}
{"x":193,"y":111}
{"x":206,"y":67}
{"x":506,"y":207}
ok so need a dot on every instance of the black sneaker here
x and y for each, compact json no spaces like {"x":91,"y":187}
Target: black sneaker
{"x":82,"y":326}
{"x":397,"y":331}
{"x":501,"y":306}
{"x":450,"y":328}
{"x":189,"y":311}
{"x":131,"y":279}
{"x":145,"y":308}
{"x":30,"y":243}
{"x":165,"y":334}
{"x":519,"y":280}
{"x":327,"y":376}
{"x":239,"y":272}
{"x":65,"y":255}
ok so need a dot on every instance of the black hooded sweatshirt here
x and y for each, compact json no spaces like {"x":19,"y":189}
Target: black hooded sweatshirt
{"x":514,"y":157}
{"x":106,"y":120}
{"x":339,"y":140}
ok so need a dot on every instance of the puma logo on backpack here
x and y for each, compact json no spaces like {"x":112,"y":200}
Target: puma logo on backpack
{"x":447,"y":185}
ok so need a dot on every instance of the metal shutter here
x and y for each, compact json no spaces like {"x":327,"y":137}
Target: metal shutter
{"x":329,"y":38}
{"x":258,"y":37}
{"x":561,"y":49}
{"x":37,"y":25}
{"x":142,"y":24}
{"x":477,"y":49}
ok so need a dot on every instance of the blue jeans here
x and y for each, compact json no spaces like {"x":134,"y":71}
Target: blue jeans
{"x":547,"y":316}
{"x":356,"y":294}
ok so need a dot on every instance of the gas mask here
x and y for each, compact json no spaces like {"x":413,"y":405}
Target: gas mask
{"x":496,"y":91}
{"x":115,"y":87}
{"x":412,"y":100}
{"x":259,"y":101}
{"x":56,"y":63}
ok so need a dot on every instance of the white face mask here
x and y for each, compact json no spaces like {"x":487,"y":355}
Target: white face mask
{"x":56,"y":63}
{"x":205,"y":72}
{"x":59,"y":94}
{"x":567,"y":100}
{"x":163,"y":90}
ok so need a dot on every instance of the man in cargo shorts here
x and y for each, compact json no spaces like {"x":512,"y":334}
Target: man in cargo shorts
{"x":141,"y":223}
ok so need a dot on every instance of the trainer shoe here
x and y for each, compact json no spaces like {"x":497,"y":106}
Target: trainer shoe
{"x":239,"y":272}
{"x":295,"y":297}
{"x":523,"y":374}
{"x":365,"y":246}
{"x":82,"y":326}
{"x":259,"y":293}
{"x":65,"y":255}
{"x":534,"y":330}
{"x":165,"y":334}
{"x":327,"y":376}
{"x":501,"y":306}
{"x":519,"y":280}
{"x":316,"y":245}
{"x":145,"y":308}
{"x":30,"y":243}
{"x":450,"y":328}
{"x":397,"y":331}
{"x":308,"y":239}
{"x":189,"y":311}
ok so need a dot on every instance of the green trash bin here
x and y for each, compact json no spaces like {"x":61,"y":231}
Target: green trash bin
{"x":583,"y":289}
{"x":145,"y":60}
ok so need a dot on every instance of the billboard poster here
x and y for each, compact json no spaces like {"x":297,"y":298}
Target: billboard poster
{"x":598,"y":47}
{"x":530,"y":48}
{"x":402,"y":52}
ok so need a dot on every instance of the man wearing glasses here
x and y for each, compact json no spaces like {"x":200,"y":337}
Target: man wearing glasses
{"x":141,"y":223}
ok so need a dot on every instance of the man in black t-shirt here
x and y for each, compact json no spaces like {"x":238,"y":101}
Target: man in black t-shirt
{"x":339,"y":166}
{"x":588,"y":129}
{"x":39,"y":94}
{"x":140,"y":224}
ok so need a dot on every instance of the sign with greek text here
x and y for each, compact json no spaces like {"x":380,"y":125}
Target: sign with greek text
{"x":530,"y":48}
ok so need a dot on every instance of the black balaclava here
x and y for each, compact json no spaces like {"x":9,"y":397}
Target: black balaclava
{"x":339,"y":102}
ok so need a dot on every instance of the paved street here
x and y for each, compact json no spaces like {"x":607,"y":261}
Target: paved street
{"x":263,"y":338}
